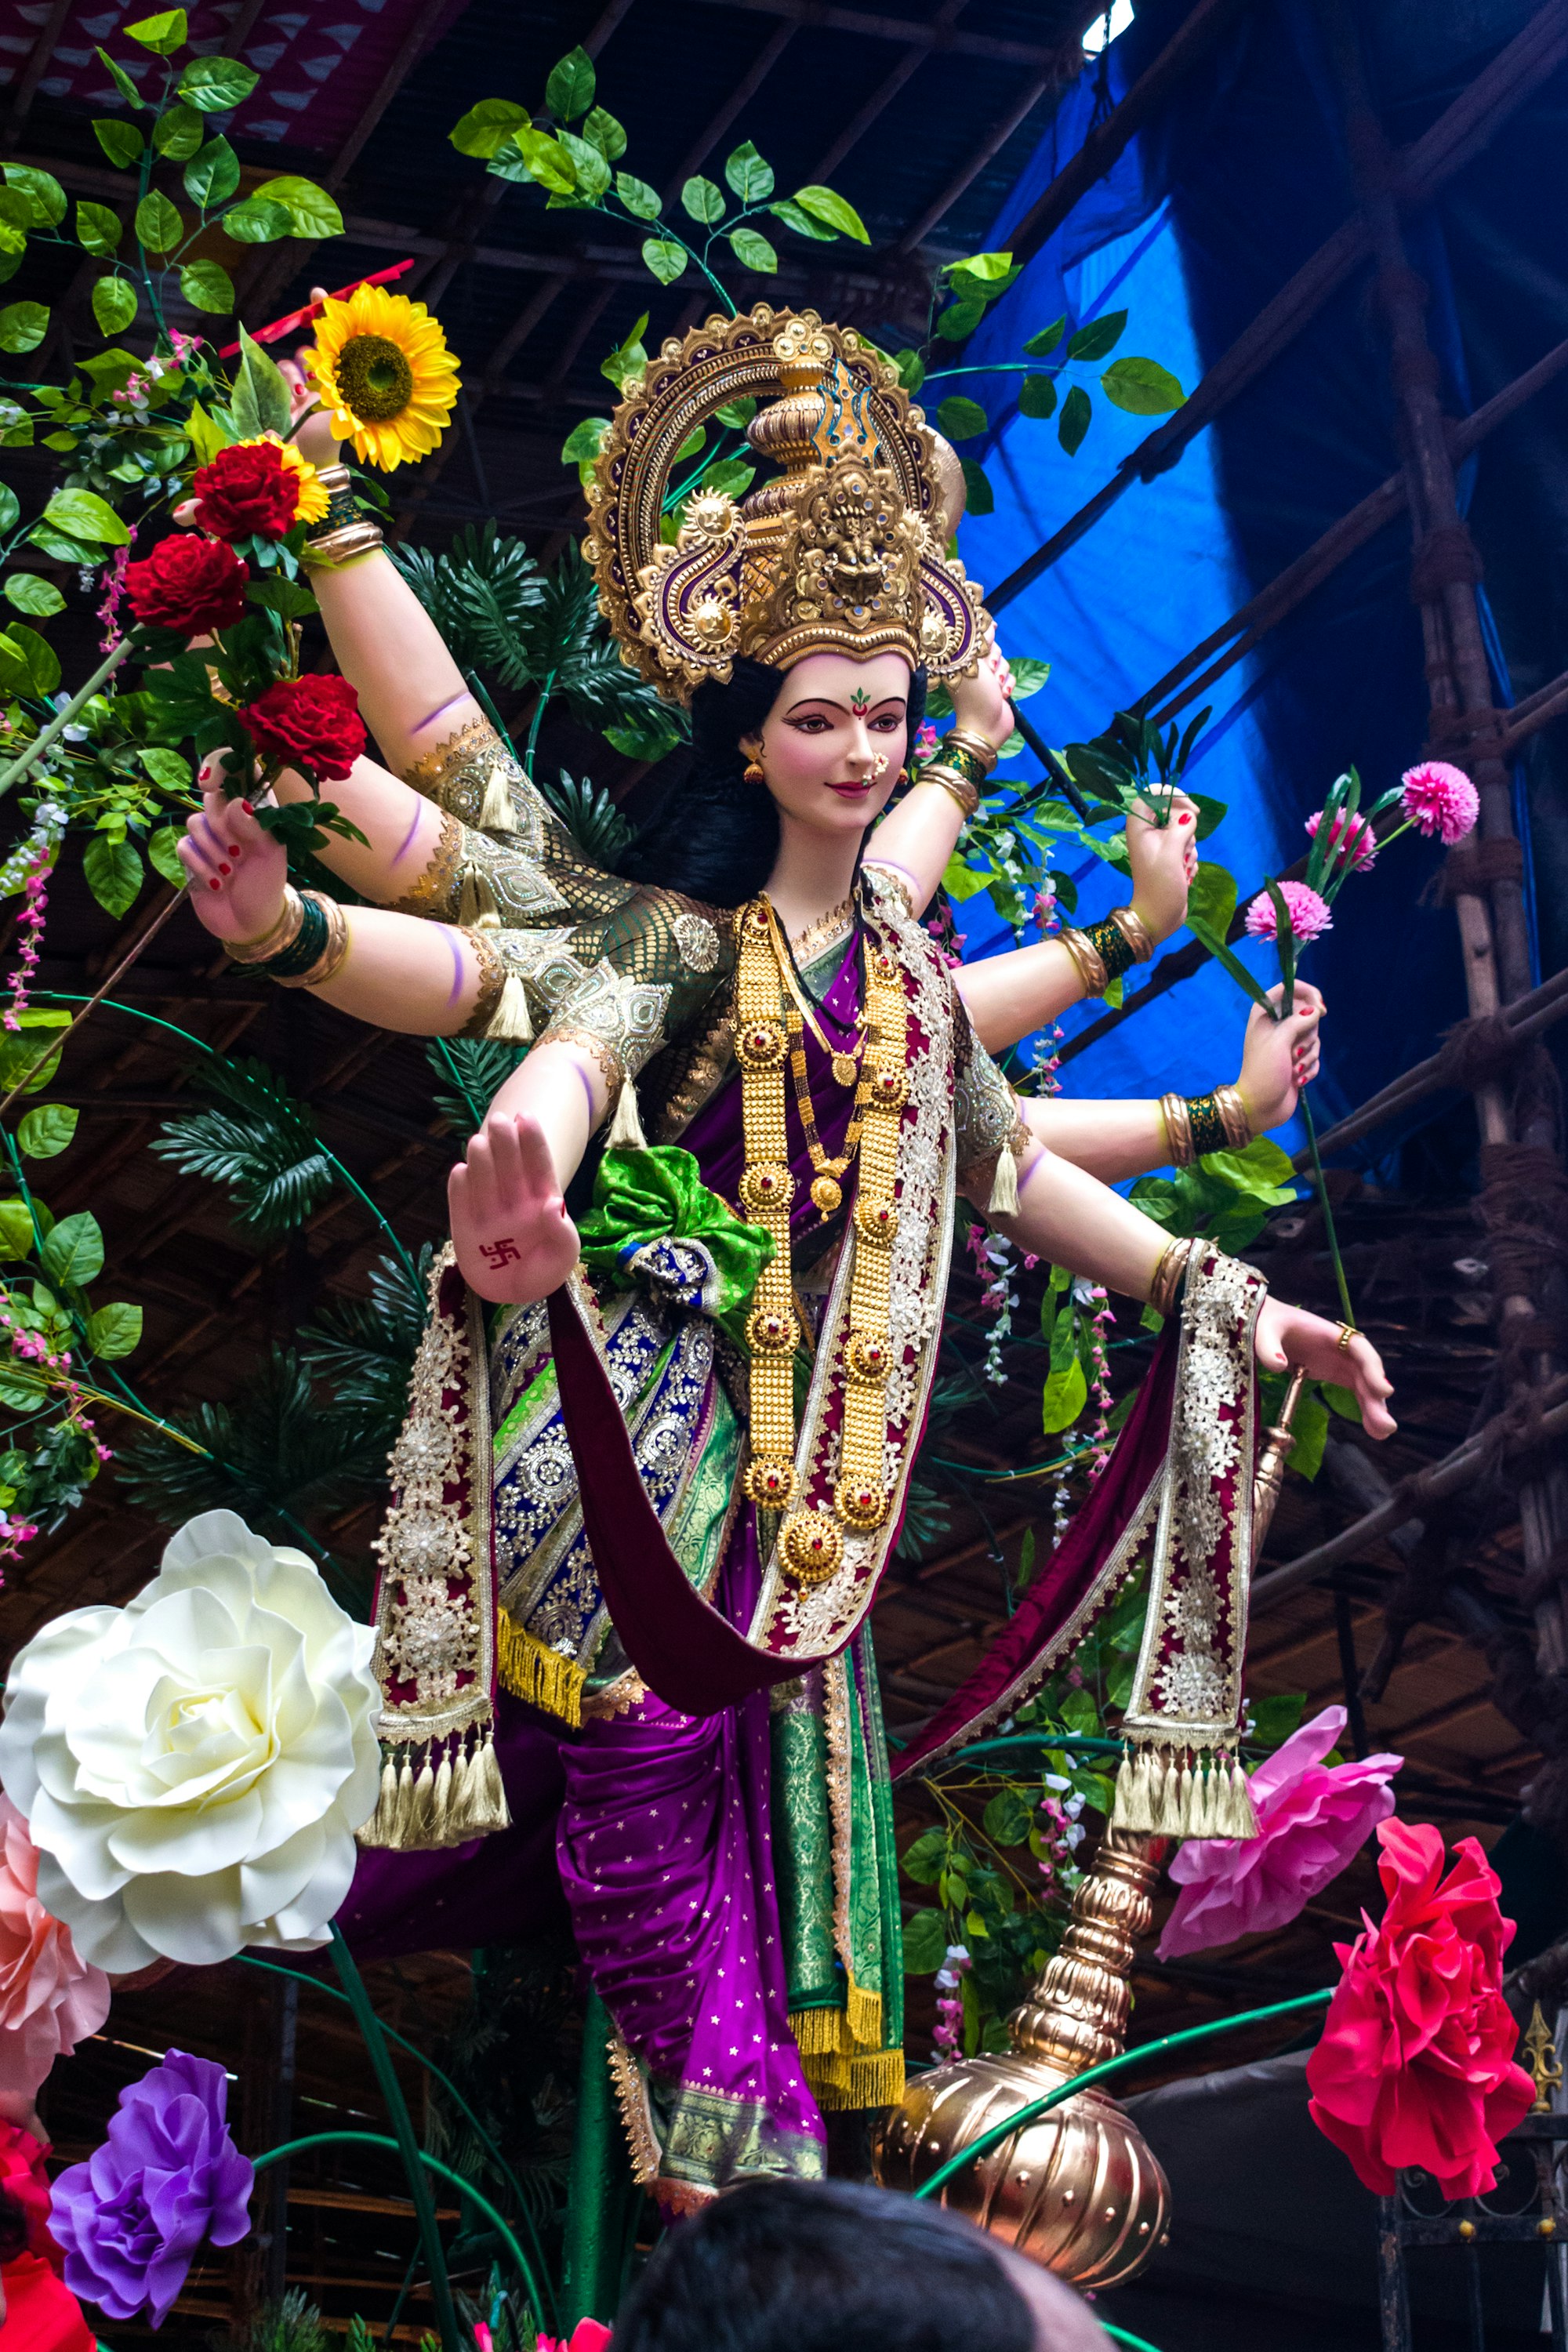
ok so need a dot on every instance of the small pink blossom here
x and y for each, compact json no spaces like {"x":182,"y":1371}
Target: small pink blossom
{"x":1352,"y":840}
{"x":1308,"y":914}
{"x":588,"y":2335}
{"x":926,"y":740}
{"x":50,"y":1999}
{"x":1438,"y":798}
{"x":1312,"y":1819}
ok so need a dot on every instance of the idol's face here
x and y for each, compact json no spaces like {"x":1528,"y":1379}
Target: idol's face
{"x":833,"y":744}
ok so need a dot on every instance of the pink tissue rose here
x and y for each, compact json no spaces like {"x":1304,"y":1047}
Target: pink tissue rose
{"x":1308,"y":914}
{"x":1439,"y":798}
{"x":1311,"y":1818}
{"x":50,"y":1999}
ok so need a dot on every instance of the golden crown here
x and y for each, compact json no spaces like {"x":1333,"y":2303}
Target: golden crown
{"x":843,"y":552}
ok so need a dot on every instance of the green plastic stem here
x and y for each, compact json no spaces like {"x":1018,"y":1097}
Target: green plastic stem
{"x":50,"y":735}
{"x":428,"y":2163}
{"x":1120,"y":2335}
{"x":591,"y":2266}
{"x":997,"y":2132}
{"x":413,"y":2155}
{"x":1345,"y":1308}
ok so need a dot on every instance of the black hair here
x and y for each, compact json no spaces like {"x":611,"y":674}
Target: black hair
{"x":715,"y":837}
{"x":824,"y":2266}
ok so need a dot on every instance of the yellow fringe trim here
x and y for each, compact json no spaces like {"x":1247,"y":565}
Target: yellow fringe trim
{"x":863,"y":2013}
{"x":526,"y":1668}
{"x":841,"y":2032}
{"x":874,"y":2079}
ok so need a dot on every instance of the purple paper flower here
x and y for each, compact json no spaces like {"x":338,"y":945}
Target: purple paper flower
{"x":131,"y":2218}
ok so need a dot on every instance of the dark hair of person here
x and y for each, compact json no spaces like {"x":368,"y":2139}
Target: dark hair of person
{"x":824,"y":2266}
{"x":715,"y":836}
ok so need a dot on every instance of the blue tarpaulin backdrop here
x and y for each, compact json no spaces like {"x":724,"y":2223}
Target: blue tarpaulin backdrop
{"x":1204,"y":218}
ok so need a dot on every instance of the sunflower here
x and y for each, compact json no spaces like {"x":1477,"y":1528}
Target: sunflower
{"x":384,"y":375}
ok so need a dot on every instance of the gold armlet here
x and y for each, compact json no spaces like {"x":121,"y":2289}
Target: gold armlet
{"x":331,"y":941}
{"x":472,"y":775}
{"x":1165,"y":1289}
{"x":492,"y":981}
{"x":1086,"y":956}
{"x":436,"y":890}
{"x":1178,"y":1130}
{"x":956,"y":787}
{"x":1135,"y":931}
{"x":343,"y":532}
{"x":1232,"y":1109}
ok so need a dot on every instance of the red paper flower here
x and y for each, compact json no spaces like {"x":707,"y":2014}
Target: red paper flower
{"x":263,"y":487}
{"x":1415,"y":2066}
{"x":194,"y":586}
{"x":312,"y":723}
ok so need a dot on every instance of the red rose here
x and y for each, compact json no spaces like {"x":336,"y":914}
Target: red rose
{"x":247,"y":488}
{"x":1415,"y":2065}
{"x":194,"y":586}
{"x":312,"y":723}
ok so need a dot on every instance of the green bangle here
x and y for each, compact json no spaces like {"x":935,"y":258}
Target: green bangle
{"x":959,"y":757}
{"x":1112,"y":946}
{"x":1207,"y":1124}
{"x":305,"y":949}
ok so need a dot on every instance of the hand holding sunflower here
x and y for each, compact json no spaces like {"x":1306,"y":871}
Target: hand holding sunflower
{"x":383,"y":374}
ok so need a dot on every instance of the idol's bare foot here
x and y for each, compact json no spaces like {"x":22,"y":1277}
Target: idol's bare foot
{"x":513,"y":1238}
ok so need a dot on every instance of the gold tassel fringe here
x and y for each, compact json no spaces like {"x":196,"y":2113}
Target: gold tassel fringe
{"x":1188,"y":1793}
{"x":456,"y":1794}
{"x":529,"y":1671}
{"x":511,"y":1022}
{"x":477,"y":907}
{"x":1004,"y":1201}
{"x":496,"y":813}
{"x":625,"y":1128}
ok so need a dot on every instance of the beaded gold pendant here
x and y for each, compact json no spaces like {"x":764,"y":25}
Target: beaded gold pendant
{"x":827,"y":1194}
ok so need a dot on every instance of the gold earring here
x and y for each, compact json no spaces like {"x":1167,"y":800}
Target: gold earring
{"x":753,"y":773}
{"x":901,"y":778}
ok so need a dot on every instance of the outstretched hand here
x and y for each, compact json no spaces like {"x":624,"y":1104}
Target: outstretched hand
{"x":1288,"y":1337}
{"x":513,"y":1238}
{"x":236,"y":871}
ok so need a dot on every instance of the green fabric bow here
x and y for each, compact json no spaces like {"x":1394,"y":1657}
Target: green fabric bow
{"x":643,"y":1198}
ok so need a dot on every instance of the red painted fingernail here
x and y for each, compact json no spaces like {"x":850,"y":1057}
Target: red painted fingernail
{"x":213,"y":884}
{"x":234,"y":849}
{"x":246,"y":807}
{"x":1185,"y":820}
{"x":224,"y":866}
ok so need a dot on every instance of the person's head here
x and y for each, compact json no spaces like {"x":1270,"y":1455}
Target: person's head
{"x":838,"y":2266}
{"x":830,"y":735}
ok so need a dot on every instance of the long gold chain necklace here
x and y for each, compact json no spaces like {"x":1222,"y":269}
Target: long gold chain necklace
{"x":811,"y":1542}
{"x":844,"y":1061}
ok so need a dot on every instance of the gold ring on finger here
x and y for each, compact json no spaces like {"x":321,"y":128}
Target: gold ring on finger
{"x":1347,"y":1333}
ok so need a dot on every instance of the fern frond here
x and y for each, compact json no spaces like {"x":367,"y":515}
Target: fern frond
{"x":590,"y":817}
{"x":256,"y":1139}
{"x":481,"y":595}
{"x":362,"y":1349}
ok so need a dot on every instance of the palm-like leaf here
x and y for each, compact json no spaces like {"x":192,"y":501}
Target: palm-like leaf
{"x":479,"y":595}
{"x":475,"y":1068}
{"x":362,"y":1349}
{"x":256,"y":1139}
{"x":590,"y":817}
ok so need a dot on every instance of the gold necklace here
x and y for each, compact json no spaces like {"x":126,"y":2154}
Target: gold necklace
{"x":811,"y":1539}
{"x":844,"y":1061}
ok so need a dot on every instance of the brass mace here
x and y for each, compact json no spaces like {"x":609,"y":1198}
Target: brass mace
{"x":1079,"y":2190}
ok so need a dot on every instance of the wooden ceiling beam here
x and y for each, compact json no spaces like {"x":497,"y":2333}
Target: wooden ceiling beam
{"x":902,"y":29}
{"x":941,"y":24}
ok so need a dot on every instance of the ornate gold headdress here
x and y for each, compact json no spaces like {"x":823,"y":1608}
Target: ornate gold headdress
{"x":843,"y":553}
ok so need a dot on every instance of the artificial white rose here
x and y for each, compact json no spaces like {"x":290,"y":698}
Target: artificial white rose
{"x":193,"y":1765}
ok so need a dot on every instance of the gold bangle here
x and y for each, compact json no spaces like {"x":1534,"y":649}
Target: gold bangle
{"x":1165,"y":1289}
{"x":1135,"y":931}
{"x":331,"y":960}
{"x":361,"y":536}
{"x":1087,"y":957}
{"x":953,"y":785}
{"x":283,"y":933}
{"x":979,"y":746}
{"x":1178,"y":1129}
{"x":1232,"y":1109}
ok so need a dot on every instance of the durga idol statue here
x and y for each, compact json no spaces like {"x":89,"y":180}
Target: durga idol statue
{"x":682,"y":1345}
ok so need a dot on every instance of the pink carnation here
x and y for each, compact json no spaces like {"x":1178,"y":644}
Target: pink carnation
{"x":49,"y":1997}
{"x":1358,"y":852}
{"x":1438,"y":798}
{"x":1311,"y":1818}
{"x":1308,"y":914}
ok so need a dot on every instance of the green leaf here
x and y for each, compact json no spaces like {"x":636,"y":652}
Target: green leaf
{"x":211,"y":85}
{"x":207,"y":437}
{"x":1100,"y":335}
{"x":1259,"y":1168}
{"x":158,"y":222}
{"x":113,"y":871}
{"x":30,"y":593}
{"x":98,"y":228}
{"x":28,"y":663}
{"x":87,"y":516}
{"x":987,"y":266}
{"x":10,"y":506}
{"x":547,"y":161}
{"x":748,"y":176}
{"x":569,"y":92}
{"x":627,"y":358}
{"x":1029,"y":674}
{"x":1037,"y":396}
{"x":121,"y":142}
{"x":664,"y":257}
{"x":925,"y":1943}
{"x":163,"y":34}
{"x":45,"y":197}
{"x":255,"y":223}
{"x":1142,"y":388}
{"x":1046,"y":341}
{"x":123,"y":84}
{"x":487,"y":127}
{"x":15,"y":217}
{"x":114,"y":1331}
{"x":1212,"y":897}
{"x":16,"y":1221}
{"x":44,"y":1132}
{"x":962,"y":419}
{"x":592,"y":172}
{"x":833,"y":211}
{"x":1076,"y":416}
{"x":72,"y":1255}
{"x":161,"y":855}
{"x":113,"y":304}
{"x":959,"y":319}
{"x":1277,"y":1716}
{"x":20,"y":1053}
{"x":290,"y":597}
{"x":638,"y":198}
{"x":208,"y":285}
{"x":978,"y":498}
{"x":752,"y":251}
{"x":1065,"y":1393}
{"x":790,"y":213}
{"x":910,"y":371}
{"x":602,"y":131}
{"x":212,"y":174}
{"x":924,"y":1860}
{"x":1342,"y":1401}
{"x":22,"y":326}
{"x":1311,"y":1424}
{"x":179,"y":133}
{"x":261,"y":403}
{"x":312,"y":212}
{"x":1007,"y":1819}
{"x":703,"y":199}
{"x":12,"y":246}
{"x":584,"y":441}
